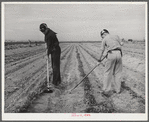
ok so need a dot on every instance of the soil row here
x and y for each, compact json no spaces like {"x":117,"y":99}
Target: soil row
{"x":128,"y":90}
{"x":26,"y":80}
{"x":20,"y":81}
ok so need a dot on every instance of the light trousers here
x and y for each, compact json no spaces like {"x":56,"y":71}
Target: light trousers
{"x":113,"y":71}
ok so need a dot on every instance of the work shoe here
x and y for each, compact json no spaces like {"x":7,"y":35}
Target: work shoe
{"x":101,"y":91}
{"x":120,"y":91}
{"x":106,"y":93}
{"x":60,"y":86}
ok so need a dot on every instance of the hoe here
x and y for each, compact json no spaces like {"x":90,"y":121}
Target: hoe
{"x":49,"y":87}
{"x":86,"y":76}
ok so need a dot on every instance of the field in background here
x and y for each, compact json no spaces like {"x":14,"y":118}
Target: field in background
{"x":25,"y":79}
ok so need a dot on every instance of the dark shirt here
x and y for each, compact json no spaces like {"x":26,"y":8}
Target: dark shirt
{"x":51,"y":41}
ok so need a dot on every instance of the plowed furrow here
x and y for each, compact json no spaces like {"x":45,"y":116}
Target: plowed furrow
{"x":22,"y":55}
{"x":97,"y":103}
{"x":29,"y":82}
{"x":46,"y":98}
{"x":25,"y":80}
{"x":127,"y":92}
{"x":135,"y":79}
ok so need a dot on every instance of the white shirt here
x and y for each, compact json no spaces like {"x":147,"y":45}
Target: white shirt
{"x":111,"y":42}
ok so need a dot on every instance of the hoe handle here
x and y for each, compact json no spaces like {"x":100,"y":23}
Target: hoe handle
{"x":88,"y":74}
{"x":85,"y":77}
{"x":48,"y":83}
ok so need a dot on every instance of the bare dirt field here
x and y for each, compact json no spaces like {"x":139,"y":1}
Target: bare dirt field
{"x":25,"y":80}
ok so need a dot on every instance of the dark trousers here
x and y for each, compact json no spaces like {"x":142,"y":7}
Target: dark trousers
{"x":55,"y":57}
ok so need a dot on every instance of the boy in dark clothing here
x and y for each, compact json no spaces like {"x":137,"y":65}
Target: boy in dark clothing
{"x":53,"y":48}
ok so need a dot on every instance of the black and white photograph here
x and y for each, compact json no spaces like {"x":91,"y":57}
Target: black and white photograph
{"x":74,"y":61}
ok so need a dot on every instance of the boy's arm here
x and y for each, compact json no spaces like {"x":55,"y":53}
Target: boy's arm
{"x":46,"y":50}
{"x":102,"y":50}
